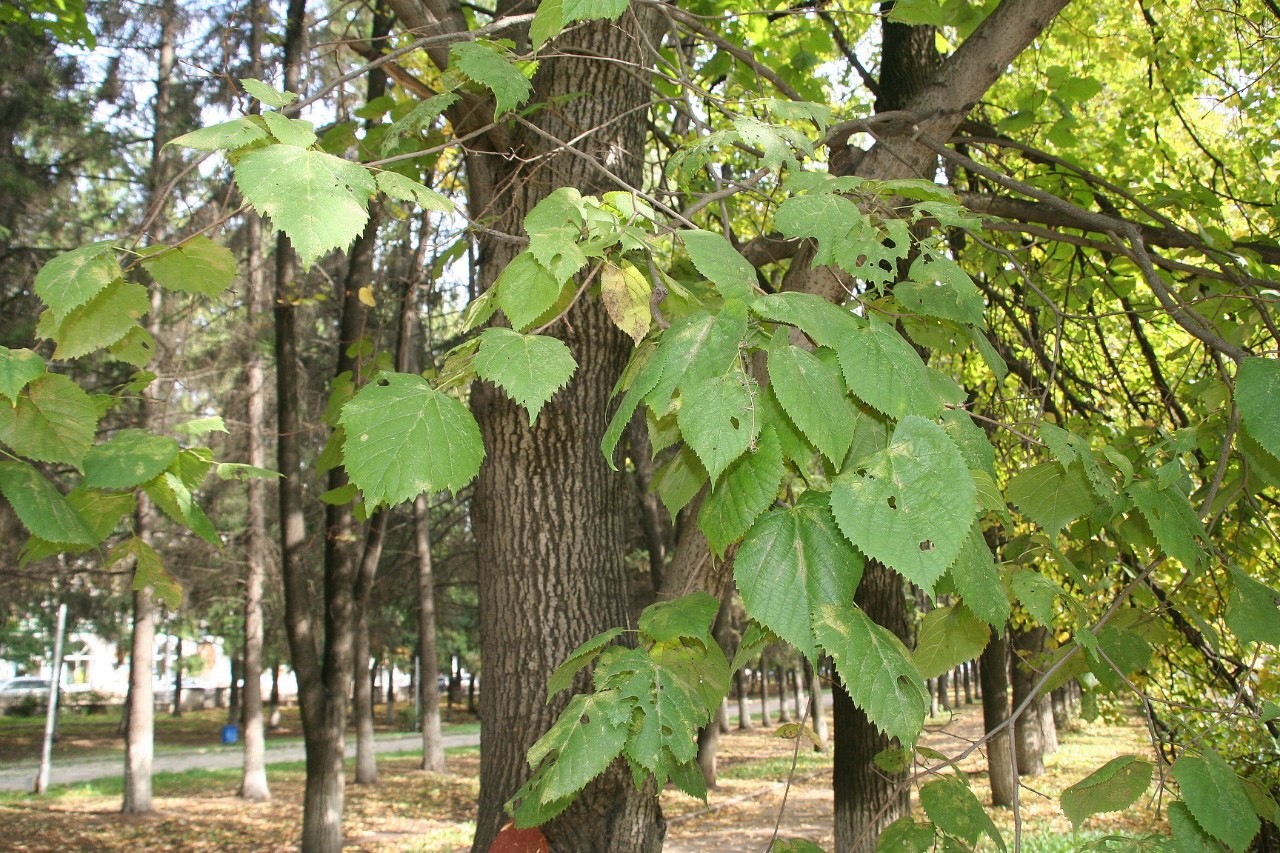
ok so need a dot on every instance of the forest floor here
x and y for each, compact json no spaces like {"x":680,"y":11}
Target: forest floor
{"x":411,"y":810}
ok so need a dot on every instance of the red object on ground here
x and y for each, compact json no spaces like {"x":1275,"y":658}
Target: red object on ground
{"x":512,"y":840}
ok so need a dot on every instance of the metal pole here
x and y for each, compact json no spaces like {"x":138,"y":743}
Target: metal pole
{"x":51,"y":715}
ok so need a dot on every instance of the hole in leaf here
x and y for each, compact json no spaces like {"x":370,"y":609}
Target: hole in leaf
{"x":926,"y":545}
{"x":893,"y":502}
{"x":733,"y":422}
{"x":383,"y":381}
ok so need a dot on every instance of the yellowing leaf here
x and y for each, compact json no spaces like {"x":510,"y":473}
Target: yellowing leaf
{"x":365,"y":294}
{"x":625,"y":292}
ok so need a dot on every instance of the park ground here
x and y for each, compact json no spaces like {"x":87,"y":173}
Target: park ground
{"x":411,"y":810}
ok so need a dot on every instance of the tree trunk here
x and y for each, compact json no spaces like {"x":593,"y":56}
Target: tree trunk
{"x":793,"y":675}
{"x":995,"y":710}
{"x":139,"y":732}
{"x":391,"y":694}
{"x":817,"y":704}
{"x":253,"y":781}
{"x":766,"y":719}
{"x":362,"y":705}
{"x":943,"y":683}
{"x":744,"y":699}
{"x":1028,"y":730}
{"x":866,"y":799}
{"x":709,"y":736}
{"x":429,"y":689}
{"x":1048,"y":726}
{"x":177,"y":677}
{"x":550,"y":517}
{"x":273,"y":712}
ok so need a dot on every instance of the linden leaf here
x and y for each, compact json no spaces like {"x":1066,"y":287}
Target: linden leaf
{"x":319,"y":201}
{"x":530,"y":368}
{"x":405,"y":438}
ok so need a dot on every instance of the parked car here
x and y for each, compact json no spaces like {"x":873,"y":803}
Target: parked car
{"x":25,"y":693}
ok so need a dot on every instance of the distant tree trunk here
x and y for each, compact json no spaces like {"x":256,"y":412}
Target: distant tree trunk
{"x":995,"y":710}
{"x":654,"y":520}
{"x":1028,"y":730}
{"x":956,"y":677}
{"x":744,"y":700}
{"x":273,"y":714}
{"x":817,"y":703}
{"x":234,"y":708}
{"x":941,"y":685}
{"x":722,"y":717}
{"x":391,"y":694}
{"x":793,"y":675}
{"x":784,"y":714}
{"x":766,"y":719}
{"x":432,"y":743}
{"x":1048,"y":726}
{"x":709,"y":736}
{"x":966,"y":671}
{"x":866,"y":800}
{"x":177,"y":677}
{"x":138,"y":741}
{"x":253,"y":781}
{"x":362,"y":706}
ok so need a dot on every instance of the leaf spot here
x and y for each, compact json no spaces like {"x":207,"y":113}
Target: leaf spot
{"x":926,"y":545}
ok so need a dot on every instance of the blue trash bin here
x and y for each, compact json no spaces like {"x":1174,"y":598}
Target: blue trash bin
{"x":230,"y":734}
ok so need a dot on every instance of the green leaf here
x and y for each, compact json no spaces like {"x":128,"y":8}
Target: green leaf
{"x":547,"y":23}
{"x":579,"y":658}
{"x":1113,"y":787}
{"x":227,"y":135}
{"x":749,"y":487}
{"x":405,"y":438}
{"x":1257,"y":390}
{"x":101,"y":322}
{"x":420,"y":118}
{"x":592,"y":10}
{"x":947,"y":637}
{"x":584,"y":741}
{"x":53,"y":421}
{"x":1188,"y":837}
{"x":290,"y":131}
{"x":717,"y":420}
{"x":884,"y":370}
{"x":625,"y":292}
{"x":1037,"y":592}
{"x":919,"y":13}
{"x":939,"y":287}
{"x":796,"y":845}
{"x":319,"y":201}
{"x":721,"y":264}
{"x":198,"y":265}
{"x":130,"y":458}
{"x":399,"y":187}
{"x":1049,"y":497}
{"x":651,"y":362}
{"x":41,"y":508}
{"x":73,"y":278}
{"x":811,"y":393}
{"x":876,"y":670}
{"x":1216,"y":799}
{"x":904,"y":835}
{"x":18,"y":368}
{"x":845,"y":235}
{"x":679,"y":481}
{"x":137,"y":347}
{"x":526,"y":291}
{"x":493,"y":67}
{"x":975,"y":447}
{"x":701,"y":346}
{"x":148,"y":570}
{"x":530,"y":368}
{"x":1175,"y":524}
{"x":671,"y":712}
{"x":202,"y":426}
{"x":102,"y":511}
{"x":793,"y":443}
{"x":826,"y":324}
{"x":955,"y":810}
{"x":911,"y":505}
{"x":792,"y":562}
{"x":1253,"y":613}
{"x":977,"y":580}
{"x":687,"y":617}
{"x":172,"y":494}
{"x":268,"y":95}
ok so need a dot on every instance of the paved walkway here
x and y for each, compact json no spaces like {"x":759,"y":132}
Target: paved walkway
{"x":22,"y":777}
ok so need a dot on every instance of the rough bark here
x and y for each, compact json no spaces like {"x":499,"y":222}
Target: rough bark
{"x":866,"y":799}
{"x":995,"y":711}
{"x":1028,"y":729}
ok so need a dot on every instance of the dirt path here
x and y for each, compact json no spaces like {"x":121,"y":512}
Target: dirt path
{"x":740,"y":815}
